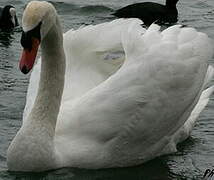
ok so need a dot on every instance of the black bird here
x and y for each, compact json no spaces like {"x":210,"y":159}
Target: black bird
{"x":8,"y":17}
{"x":150,"y":12}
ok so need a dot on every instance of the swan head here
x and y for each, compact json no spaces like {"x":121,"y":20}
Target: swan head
{"x":13,"y":16}
{"x":8,"y":17}
{"x":37,"y":20}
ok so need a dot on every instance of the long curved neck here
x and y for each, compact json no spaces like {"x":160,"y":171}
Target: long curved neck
{"x":33,"y":147}
{"x":47,"y":103}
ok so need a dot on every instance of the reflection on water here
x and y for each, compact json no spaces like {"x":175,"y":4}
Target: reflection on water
{"x":6,"y":37}
{"x":156,"y":169}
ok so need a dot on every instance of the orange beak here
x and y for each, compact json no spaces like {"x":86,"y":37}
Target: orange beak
{"x":28,"y":57}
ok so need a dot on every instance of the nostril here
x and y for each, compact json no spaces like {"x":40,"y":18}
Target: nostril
{"x":24,"y":69}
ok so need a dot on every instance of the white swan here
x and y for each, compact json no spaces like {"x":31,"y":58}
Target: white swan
{"x":111,"y":112}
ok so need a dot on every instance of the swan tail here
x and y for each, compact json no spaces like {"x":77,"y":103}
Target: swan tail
{"x":209,"y":75}
{"x":203,"y":101}
{"x":184,"y":132}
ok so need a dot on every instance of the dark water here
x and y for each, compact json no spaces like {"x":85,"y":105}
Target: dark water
{"x":194,"y":155}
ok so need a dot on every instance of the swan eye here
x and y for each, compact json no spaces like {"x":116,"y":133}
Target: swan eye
{"x":26,"y":39}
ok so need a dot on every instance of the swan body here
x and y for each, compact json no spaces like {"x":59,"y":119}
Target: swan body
{"x":109,"y":95}
{"x":150,"y":12}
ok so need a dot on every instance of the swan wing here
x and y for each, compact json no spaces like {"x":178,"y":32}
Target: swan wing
{"x":92,"y":52}
{"x":131,"y":117}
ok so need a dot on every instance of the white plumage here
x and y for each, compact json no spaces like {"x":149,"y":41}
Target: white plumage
{"x":129,"y":95}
